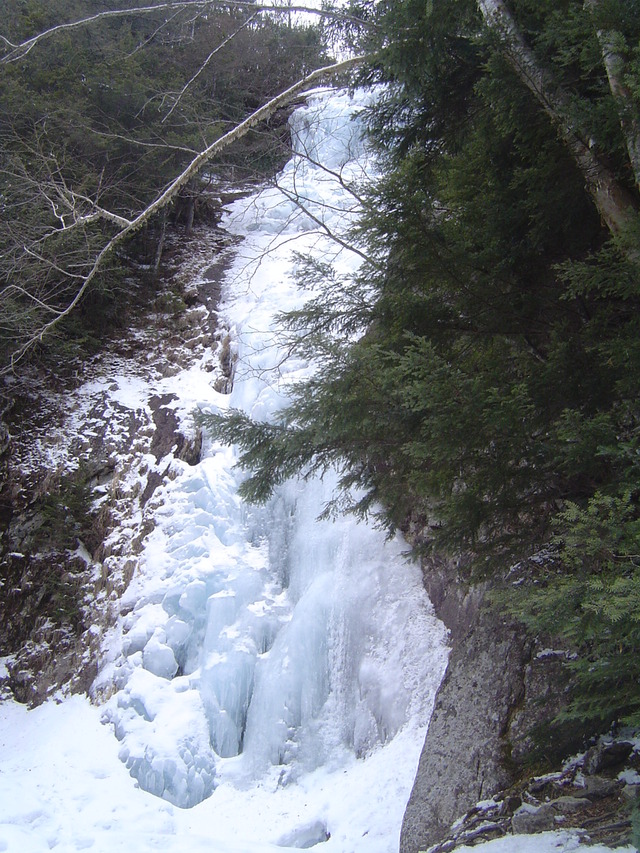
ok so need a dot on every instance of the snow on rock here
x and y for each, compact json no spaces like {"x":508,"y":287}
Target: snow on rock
{"x":545,"y":842}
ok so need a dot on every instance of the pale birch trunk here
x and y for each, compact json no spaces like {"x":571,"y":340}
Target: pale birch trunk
{"x":614,"y":65}
{"x":614,"y":203}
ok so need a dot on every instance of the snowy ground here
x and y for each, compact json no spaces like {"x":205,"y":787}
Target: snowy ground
{"x":271,"y":672}
{"x":62,"y":787}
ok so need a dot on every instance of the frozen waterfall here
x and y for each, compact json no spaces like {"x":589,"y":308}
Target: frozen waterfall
{"x":259,"y":644}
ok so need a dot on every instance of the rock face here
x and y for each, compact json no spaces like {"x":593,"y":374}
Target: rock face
{"x":463,"y":758}
{"x":485,"y":707}
{"x":79,"y":468}
{"x":595,"y":807}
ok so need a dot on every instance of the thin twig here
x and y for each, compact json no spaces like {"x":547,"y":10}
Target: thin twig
{"x":18,"y":51}
{"x":206,"y":62}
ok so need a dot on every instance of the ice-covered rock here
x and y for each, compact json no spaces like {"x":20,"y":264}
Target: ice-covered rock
{"x":306,"y":836}
{"x":158,"y":657}
{"x":267,"y":638}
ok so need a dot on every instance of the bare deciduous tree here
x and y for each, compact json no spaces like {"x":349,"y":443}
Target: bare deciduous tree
{"x":75,"y":210}
{"x":59,"y":254}
{"x":16,"y":51}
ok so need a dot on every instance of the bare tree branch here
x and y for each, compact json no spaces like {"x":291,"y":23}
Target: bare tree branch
{"x":206,"y":62}
{"x":18,"y":51}
{"x":300,"y":203}
{"x":69,"y":207}
{"x":237,"y":132}
{"x":151,"y":37}
{"x":166,"y":146}
{"x":128,"y":227}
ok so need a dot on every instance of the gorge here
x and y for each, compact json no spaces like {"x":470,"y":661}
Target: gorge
{"x":268,"y":676}
{"x":258,"y":648}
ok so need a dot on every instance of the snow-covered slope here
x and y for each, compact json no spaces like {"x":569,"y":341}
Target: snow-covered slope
{"x":63,"y":788}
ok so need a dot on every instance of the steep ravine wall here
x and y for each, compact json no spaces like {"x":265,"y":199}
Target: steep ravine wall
{"x":65,"y":559}
{"x":498,"y":686}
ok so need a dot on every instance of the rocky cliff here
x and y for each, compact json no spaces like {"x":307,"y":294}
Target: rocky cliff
{"x":502,"y":686}
{"x":80,"y":465}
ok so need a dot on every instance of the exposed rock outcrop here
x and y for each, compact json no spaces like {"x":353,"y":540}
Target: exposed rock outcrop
{"x":500,"y":685}
{"x":595,"y":804}
{"x":77,"y":475}
{"x":463,"y":757}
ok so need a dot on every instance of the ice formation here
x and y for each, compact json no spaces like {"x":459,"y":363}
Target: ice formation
{"x":260,"y":640}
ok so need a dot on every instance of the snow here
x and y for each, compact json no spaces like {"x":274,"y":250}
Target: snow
{"x":271,"y":675}
{"x":62,"y":787}
{"x":544,"y":842}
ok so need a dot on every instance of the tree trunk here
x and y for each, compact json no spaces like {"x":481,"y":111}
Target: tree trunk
{"x":160,"y":247}
{"x":614,"y":203}
{"x":191,"y":213}
{"x":614,"y":64}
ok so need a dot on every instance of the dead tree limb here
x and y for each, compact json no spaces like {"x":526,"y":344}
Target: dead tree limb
{"x":162,"y":200}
